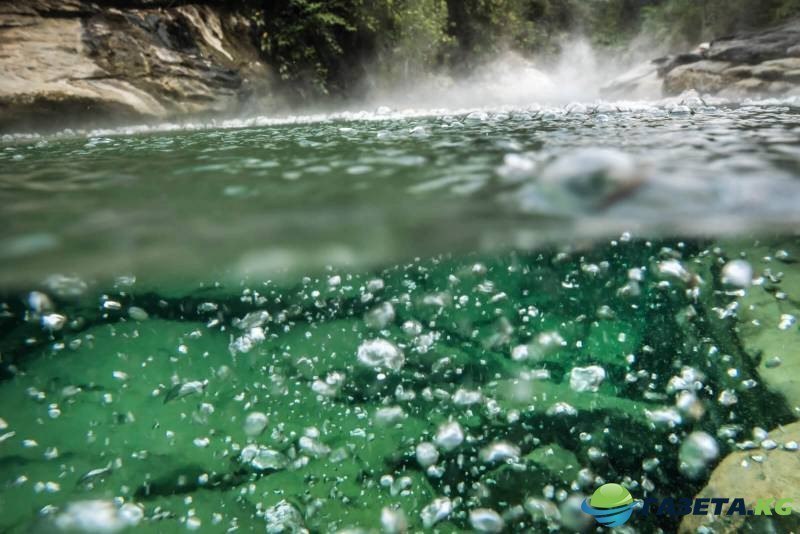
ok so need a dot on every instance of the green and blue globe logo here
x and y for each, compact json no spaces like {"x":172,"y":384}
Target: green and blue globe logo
{"x":611,"y":505}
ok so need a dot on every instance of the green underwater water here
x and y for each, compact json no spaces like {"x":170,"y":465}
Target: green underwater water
{"x":101,"y":391}
{"x":395,"y":322}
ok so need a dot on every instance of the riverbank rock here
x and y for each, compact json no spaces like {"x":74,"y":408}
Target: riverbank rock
{"x":760,"y":63}
{"x":753,"y":475}
{"x":75,"y":63}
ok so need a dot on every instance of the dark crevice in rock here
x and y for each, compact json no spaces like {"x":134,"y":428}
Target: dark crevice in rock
{"x":184,"y":480}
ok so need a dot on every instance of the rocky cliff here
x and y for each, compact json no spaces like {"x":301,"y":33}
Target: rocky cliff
{"x":762,"y":63}
{"x":67,"y":63}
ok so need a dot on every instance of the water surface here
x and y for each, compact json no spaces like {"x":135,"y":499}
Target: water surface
{"x":394,"y":321}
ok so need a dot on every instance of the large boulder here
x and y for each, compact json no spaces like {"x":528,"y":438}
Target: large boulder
{"x":64,"y":64}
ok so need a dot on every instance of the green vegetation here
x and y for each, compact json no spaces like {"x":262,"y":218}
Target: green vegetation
{"x":329,"y":47}
{"x":681,"y":22}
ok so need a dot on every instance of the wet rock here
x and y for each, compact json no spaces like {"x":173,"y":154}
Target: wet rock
{"x":89,"y":65}
{"x":704,"y":76}
{"x":740,"y":65}
{"x":753,"y":475}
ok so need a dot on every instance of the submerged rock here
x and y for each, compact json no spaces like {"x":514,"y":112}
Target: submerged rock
{"x":754,"y":474}
{"x":765,"y":323}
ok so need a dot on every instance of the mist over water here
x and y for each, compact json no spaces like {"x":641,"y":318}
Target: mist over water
{"x":510,"y":79}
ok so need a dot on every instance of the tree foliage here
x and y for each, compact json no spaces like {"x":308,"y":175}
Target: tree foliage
{"x":325,"y":46}
{"x":682,"y":22}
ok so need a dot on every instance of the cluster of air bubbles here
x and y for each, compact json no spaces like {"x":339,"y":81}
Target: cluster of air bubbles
{"x":697,"y":452}
{"x":586,"y":378}
{"x":98,"y":516}
{"x":253,"y":334}
{"x":380,"y":354}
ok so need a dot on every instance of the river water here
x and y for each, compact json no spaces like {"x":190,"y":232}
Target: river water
{"x":395,"y":319}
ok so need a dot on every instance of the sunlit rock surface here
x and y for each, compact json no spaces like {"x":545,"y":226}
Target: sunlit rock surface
{"x":74,"y":63}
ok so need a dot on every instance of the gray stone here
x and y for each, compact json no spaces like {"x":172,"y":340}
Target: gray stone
{"x":704,"y":76}
{"x":787,"y":63}
{"x":746,"y":87}
{"x":739,"y":72}
{"x":757,"y":47}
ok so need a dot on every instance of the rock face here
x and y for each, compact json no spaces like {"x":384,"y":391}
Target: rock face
{"x":73,"y":63}
{"x":765,"y":63}
{"x":753,"y":475}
